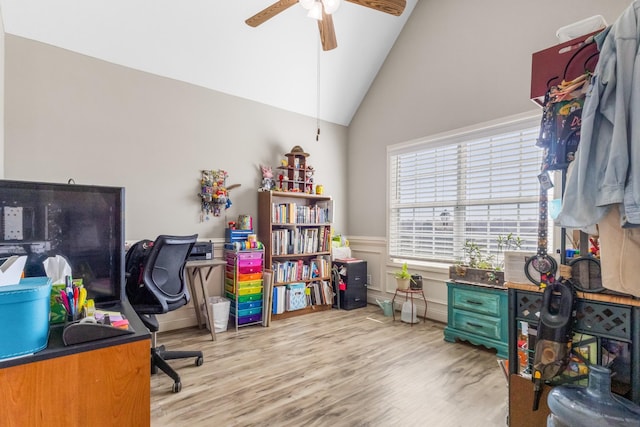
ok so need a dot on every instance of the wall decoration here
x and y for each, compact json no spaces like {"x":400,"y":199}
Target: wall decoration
{"x":214,"y":193}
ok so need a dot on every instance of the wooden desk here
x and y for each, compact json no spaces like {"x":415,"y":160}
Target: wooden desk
{"x":103,"y":382}
{"x":197,"y":269}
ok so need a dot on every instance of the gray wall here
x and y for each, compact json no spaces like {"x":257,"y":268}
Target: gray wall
{"x":72,"y":116}
{"x":2,"y":84}
{"x":455,"y":64}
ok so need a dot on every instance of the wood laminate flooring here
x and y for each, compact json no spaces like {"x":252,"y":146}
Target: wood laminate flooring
{"x":332,"y":368}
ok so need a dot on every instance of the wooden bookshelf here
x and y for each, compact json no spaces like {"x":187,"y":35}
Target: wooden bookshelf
{"x":295,"y":228}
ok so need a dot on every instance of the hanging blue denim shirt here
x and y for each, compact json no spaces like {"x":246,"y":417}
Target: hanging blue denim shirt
{"x":606,"y":169}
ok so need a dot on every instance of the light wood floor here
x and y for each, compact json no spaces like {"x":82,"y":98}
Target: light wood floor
{"x":333,"y":368}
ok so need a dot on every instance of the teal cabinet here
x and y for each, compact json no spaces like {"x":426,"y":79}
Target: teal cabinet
{"x":478,"y":314}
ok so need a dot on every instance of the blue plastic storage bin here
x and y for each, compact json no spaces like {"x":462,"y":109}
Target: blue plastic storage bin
{"x":24,"y":314}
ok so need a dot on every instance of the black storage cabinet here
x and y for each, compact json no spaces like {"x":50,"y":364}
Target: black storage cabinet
{"x":354,"y":275}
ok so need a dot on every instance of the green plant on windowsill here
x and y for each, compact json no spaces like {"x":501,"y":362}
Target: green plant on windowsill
{"x":403,"y":273}
{"x":479,"y":265}
{"x":403,"y":277}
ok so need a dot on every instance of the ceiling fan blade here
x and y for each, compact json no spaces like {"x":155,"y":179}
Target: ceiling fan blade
{"x":327,"y":32}
{"x":393,"y":7}
{"x":270,"y":12}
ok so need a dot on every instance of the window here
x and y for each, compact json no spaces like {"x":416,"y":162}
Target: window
{"x":473,"y":185}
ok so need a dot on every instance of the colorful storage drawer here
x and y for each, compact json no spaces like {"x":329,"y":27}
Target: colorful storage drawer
{"x":243,"y":277}
{"x":249,"y":277}
{"x":245,"y":263}
{"x":243,"y":320}
{"x":244,"y":298}
{"x":250,"y":284}
{"x":243,"y":256}
{"x":247,"y":305}
{"x":250,"y":269}
{"x":243,"y":285}
{"x":244,"y":291}
{"x":250,"y":258}
{"x":247,"y":312}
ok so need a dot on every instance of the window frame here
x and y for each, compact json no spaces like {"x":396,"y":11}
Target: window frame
{"x":476,"y":132}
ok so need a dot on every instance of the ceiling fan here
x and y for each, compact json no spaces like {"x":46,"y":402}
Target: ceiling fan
{"x":322,"y":10}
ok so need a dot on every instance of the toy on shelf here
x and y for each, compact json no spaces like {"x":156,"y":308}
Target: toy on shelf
{"x":295,"y":176}
{"x":214,"y":193}
{"x":268,"y":182}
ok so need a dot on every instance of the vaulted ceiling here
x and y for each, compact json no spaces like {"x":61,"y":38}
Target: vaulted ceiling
{"x":207,"y":43}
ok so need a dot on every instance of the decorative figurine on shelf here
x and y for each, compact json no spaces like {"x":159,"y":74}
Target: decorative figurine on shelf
{"x":309,"y":179}
{"x":281,"y":178}
{"x":214,"y":193}
{"x":293,"y":176}
{"x":268,"y":183}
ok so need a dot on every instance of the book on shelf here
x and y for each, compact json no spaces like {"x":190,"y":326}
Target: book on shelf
{"x":299,"y":269}
{"x":296,"y":296}
{"x":292,"y":213}
{"x":295,"y":241}
{"x":278,"y":299}
{"x":320,"y":293}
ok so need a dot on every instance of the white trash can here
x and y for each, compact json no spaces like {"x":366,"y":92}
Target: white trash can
{"x":220,"y":307}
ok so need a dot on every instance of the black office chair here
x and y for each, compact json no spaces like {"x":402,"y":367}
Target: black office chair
{"x":156,"y":284}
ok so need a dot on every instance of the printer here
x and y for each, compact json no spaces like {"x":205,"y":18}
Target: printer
{"x":201,"y":251}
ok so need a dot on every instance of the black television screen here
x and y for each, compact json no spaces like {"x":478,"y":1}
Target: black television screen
{"x":82,"y":223}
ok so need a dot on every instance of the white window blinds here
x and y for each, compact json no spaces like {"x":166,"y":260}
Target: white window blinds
{"x":474,"y":186}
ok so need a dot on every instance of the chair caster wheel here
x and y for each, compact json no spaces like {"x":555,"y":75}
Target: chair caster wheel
{"x":176,"y":387}
{"x":199,"y":361}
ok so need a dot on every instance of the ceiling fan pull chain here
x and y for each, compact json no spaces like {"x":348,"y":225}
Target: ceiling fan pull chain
{"x":318,"y":93}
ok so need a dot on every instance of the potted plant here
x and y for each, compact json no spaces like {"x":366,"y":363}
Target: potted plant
{"x":403,"y":277}
{"x":478,"y":266}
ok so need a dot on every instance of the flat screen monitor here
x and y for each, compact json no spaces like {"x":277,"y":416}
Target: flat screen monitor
{"x":83,"y":224}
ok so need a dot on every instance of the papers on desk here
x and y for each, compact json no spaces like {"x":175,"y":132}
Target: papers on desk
{"x":11,"y":270}
{"x":112,"y":318}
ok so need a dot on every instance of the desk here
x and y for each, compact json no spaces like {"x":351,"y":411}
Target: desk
{"x":197,"y":269}
{"x":103,"y":382}
{"x":409,"y":293}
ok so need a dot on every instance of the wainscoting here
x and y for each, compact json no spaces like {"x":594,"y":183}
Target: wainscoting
{"x":382,"y":283}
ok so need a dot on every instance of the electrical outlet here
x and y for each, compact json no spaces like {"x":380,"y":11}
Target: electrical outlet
{"x":368,"y":279}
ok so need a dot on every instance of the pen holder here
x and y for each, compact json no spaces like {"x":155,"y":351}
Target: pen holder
{"x":76,"y":316}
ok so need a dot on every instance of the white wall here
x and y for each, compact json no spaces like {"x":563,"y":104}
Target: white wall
{"x":2,"y":37}
{"x":72,"y":116}
{"x":456,"y":63}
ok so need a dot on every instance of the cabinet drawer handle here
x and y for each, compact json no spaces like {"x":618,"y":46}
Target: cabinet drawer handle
{"x":470,"y":301}
{"x":475,"y":325}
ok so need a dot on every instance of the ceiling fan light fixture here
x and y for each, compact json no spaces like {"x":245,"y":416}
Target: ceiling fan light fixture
{"x":316,"y":11}
{"x":331,"y":6}
{"x":307,"y":4}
